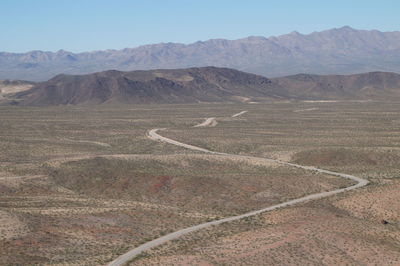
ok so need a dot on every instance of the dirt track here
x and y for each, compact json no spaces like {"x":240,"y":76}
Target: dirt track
{"x":209,"y":122}
{"x":161,"y":240}
{"x":239,"y":114}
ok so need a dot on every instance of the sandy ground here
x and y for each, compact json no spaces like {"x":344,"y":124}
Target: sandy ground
{"x":306,"y":235}
{"x":11,"y":226}
{"x":375,"y":204}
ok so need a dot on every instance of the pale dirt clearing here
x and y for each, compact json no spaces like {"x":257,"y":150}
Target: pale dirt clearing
{"x":11,"y":89}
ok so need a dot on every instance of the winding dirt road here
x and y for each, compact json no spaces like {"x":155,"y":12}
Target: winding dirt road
{"x":305,"y":110}
{"x":88,"y":141}
{"x":20,"y":177}
{"x":209,"y":122}
{"x":121,"y":260}
{"x":239,"y":114}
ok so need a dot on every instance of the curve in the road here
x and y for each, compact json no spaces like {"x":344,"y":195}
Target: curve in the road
{"x":121,"y":260}
{"x":209,"y":122}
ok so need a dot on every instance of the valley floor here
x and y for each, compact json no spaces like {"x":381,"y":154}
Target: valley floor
{"x":82,"y":185}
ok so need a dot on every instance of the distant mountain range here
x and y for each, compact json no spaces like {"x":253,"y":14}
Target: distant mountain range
{"x":206,"y":84}
{"x":335,"y":51}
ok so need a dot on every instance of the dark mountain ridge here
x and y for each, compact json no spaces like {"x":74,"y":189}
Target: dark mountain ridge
{"x":372,"y":85}
{"x":206,"y":84}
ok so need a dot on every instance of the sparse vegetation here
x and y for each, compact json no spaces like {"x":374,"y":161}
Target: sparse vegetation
{"x":83,"y":203}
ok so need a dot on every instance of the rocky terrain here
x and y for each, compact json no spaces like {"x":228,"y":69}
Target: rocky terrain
{"x":368,"y":86}
{"x":81,"y":185}
{"x":206,"y":84}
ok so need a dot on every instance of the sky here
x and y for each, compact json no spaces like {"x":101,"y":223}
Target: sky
{"x":87,"y":25}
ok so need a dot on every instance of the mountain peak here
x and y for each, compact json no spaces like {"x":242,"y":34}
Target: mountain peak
{"x":295,"y":33}
{"x":336,"y":51}
{"x":347,"y":28}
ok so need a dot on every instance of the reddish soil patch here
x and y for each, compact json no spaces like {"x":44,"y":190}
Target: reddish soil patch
{"x":163,"y":183}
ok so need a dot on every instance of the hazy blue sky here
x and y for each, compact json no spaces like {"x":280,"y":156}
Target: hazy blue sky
{"x":84,"y":25}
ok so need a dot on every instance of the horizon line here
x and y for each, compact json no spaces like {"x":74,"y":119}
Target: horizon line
{"x":62,"y":50}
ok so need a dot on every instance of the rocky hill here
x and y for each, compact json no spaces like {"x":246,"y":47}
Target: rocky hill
{"x":206,"y":84}
{"x":366,"y":86}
